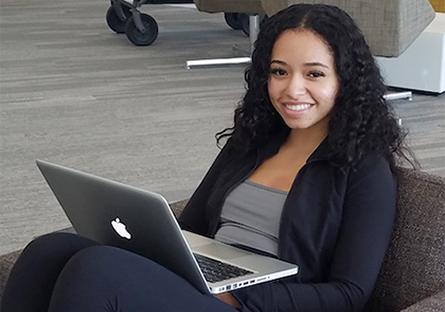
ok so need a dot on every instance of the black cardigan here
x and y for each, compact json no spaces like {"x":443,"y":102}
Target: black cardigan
{"x":336,"y":225}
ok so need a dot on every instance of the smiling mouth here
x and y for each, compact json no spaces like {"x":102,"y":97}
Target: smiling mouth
{"x":298,"y":107}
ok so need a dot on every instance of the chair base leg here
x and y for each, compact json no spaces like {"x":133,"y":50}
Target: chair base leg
{"x":217,"y":62}
{"x":254,"y":24}
{"x":399,"y":96}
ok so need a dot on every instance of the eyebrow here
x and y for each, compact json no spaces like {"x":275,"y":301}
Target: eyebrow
{"x":305,"y":64}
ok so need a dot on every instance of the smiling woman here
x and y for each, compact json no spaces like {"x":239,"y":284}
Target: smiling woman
{"x":303,"y":83}
{"x":306,"y":175}
{"x":302,"y":87}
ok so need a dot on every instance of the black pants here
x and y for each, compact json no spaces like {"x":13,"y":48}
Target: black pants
{"x":65,"y":272}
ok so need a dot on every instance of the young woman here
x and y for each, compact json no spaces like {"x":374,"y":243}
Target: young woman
{"x":306,"y":175}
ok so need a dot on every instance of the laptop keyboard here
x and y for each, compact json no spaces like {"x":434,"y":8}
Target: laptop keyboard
{"x":216,"y":271}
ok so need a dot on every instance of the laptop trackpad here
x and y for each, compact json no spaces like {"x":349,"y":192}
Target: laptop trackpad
{"x":212,"y":248}
{"x":221,"y":251}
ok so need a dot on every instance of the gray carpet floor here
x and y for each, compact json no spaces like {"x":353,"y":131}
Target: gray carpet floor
{"x":75,"y":93}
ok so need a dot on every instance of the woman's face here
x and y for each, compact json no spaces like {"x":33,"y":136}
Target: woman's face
{"x":303,"y":82}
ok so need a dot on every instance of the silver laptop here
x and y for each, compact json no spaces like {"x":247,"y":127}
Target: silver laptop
{"x":119,"y":215}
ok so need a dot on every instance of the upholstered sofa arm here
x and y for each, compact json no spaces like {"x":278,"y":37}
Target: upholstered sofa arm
{"x":6,"y":263}
{"x":435,"y":303}
{"x":178,"y":206}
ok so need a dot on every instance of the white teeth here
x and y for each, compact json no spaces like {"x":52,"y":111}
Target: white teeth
{"x":298,"y":107}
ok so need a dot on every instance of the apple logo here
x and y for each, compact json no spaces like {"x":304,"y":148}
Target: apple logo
{"x":120,"y":228}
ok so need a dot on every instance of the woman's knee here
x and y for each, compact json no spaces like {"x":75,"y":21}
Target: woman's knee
{"x":104,"y":276}
{"x":54,"y":247}
{"x":37,"y":269}
{"x":97,"y":274}
{"x":47,"y":244}
{"x":104,"y":266}
{"x":102,"y":259}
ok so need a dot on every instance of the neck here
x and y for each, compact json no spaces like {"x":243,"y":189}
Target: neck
{"x":306,"y":139}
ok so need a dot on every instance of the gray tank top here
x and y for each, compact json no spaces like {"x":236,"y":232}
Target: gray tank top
{"x":251,"y":217}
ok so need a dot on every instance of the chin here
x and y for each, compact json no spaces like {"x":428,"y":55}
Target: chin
{"x":297,"y":126}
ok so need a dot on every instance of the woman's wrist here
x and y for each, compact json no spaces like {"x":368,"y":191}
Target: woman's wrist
{"x":229,"y":299}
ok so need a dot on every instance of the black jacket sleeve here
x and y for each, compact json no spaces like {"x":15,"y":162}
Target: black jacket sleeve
{"x":193,"y":216}
{"x":364,"y":235}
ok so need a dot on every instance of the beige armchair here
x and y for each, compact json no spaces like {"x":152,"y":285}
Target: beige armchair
{"x":389,"y":26}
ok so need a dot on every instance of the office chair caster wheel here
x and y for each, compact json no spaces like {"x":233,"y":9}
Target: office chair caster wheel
{"x":233,"y":20}
{"x":244,"y":22}
{"x":117,"y":22}
{"x":145,"y":36}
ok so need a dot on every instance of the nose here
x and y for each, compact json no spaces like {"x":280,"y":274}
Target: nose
{"x":296,"y":86}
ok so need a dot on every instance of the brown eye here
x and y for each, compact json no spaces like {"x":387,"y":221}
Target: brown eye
{"x":278,"y":72}
{"x":316,"y":74}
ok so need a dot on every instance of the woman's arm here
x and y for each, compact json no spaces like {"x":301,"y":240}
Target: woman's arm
{"x":193,"y":216}
{"x":227,"y":298}
{"x":364,"y":235}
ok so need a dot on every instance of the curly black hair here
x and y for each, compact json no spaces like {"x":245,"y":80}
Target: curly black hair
{"x":360,"y":122}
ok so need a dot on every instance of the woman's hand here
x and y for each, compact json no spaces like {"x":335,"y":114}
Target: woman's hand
{"x":228,"y":299}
